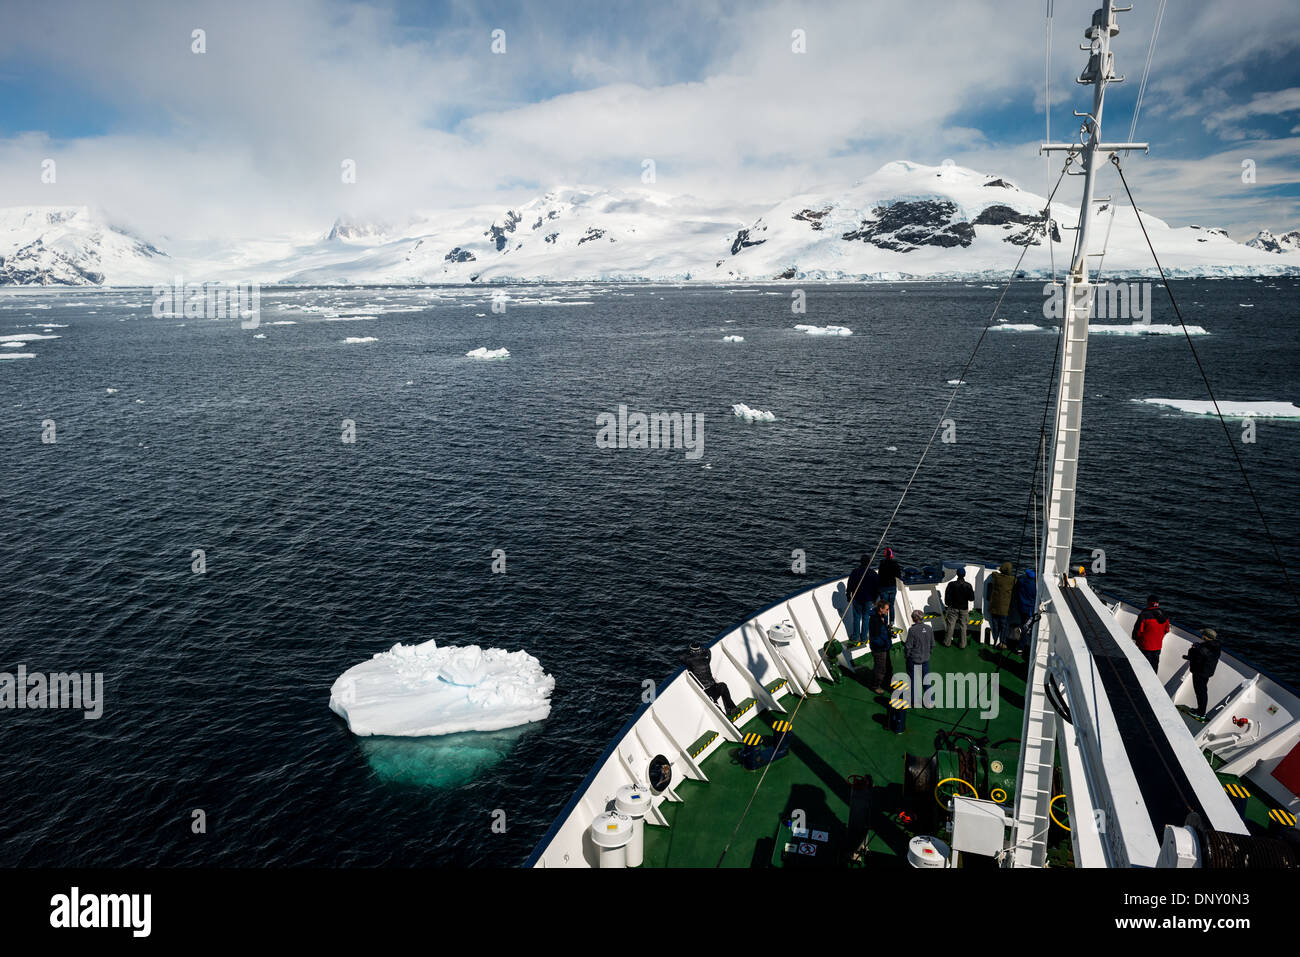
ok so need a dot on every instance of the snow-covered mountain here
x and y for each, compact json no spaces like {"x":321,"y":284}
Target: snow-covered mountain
{"x":904,"y":221}
{"x":1286,"y":243}
{"x":72,"y":246}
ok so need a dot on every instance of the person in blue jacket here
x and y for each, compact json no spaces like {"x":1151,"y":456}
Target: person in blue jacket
{"x":864,"y":584}
{"x":1025,"y":602}
{"x":881,"y":636}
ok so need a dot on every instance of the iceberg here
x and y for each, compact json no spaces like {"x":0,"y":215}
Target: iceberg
{"x":825,"y":330}
{"x":482,"y":352}
{"x":1231,"y":410}
{"x":752,"y":415}
{"x":1144,"y":329}
{"x":421,"y":690}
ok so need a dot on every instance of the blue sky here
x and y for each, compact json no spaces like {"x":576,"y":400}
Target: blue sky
{"x":248,"y":137}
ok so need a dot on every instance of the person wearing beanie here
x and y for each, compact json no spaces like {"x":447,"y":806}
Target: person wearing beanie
{"x":1026,"y":603}
{"x":697,"y":663}
{"x":957,"y":599}
{"x":1202,"y":660}
{"x":889,"y":572}
{"x":864,"y":584}
{"x":1149,"y":632}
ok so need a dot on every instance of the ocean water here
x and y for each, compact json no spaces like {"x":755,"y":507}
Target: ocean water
{"x":320,"y":553}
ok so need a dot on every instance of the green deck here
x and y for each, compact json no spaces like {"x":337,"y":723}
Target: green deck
{"x":842,"y":731}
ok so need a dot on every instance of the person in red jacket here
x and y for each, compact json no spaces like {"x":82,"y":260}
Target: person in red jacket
{"x":1149,"y":632}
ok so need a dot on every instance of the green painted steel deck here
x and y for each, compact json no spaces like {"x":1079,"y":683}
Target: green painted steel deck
{"x":841,"y":732}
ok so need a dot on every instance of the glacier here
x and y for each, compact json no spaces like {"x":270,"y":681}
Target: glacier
{"x":421,"y":690}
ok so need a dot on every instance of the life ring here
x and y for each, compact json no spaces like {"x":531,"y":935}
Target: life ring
{"x":1052,"y":814}
{"x":974,"y":792}
{"x":993,"y":795}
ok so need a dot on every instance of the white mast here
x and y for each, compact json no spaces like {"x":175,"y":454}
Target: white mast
{"x":1038,"y":738}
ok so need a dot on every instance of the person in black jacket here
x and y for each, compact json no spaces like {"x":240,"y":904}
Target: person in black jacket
{"x":864,"y":583}
{"x":889,"y":571}
{"x":697,"y":662}
{"x":957,"y":599}
{"x":1202,"y":659}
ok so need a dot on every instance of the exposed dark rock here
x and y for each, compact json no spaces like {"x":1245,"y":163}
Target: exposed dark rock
{"x":538,"y":224}
{"x":743,"y":241}
{"x":550,"y":237}
{"x":788,"y":274}
{"x":812,"y":216}
{"x":38,"y":265}
{"x":592,"y":234}
{"x":909,"y":224}
{"x":498,"y":233}
{"x":999,"y":182}
{"x":459,"y":255}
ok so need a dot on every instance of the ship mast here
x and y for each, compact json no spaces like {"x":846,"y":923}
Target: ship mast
{"x":1041,"y":725}
{"x":1079,"y":293}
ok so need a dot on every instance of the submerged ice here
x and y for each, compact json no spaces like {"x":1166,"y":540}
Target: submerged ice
{"x":418,"y":690}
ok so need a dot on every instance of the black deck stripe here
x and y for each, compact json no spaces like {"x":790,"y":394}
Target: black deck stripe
{"x":1165,"y":787}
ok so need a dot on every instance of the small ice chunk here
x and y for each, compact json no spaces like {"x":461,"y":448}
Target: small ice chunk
{"x":17,"y":355}
{"x":353,"y":340}
{"x":752,"y":415}
{"x":825,"y":330}
{"x":483,"y":352}
{"x":1017,"y":327}
{"x":733,"y":338}
{"x":417,"y":690}
{"x":260,"y":335}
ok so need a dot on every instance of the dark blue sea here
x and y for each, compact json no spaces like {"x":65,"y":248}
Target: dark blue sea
{"x":320,"y":553}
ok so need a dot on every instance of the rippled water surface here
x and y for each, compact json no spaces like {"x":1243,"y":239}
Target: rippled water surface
{"x":321,"y":553}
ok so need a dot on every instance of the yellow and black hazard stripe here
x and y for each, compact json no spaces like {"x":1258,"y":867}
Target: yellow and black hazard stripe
{"x":1237,"y":791}
{"x":753,"y":740}
{"x":781,"y":727}
{"x":1285,"y":818}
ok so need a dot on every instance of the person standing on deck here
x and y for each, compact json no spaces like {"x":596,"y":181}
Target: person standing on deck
{"x":889,"y":572}
{"x":697,"y":662}
{"x":957,"y":599}
{"x":997,"y":602}
{"x":864,"y":584}
{"x":1149,"y":632}
{"x":1026,"y":602}
{"x":920,"y":642}
{"x":881,"y":636}
{"x":1202,"y":659}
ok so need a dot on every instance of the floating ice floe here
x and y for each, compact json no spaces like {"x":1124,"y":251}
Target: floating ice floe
{"x":483,"y":352}
{"x":1234,"y":410}
{"x":25,"y":337}
{"x":891,"y":448}
{"x":110,"y":391}
{"x":752,"y":415}
{"x":12,"y":345}
{"x":825,"y":330}
{"x":956,"y":381}
{"x":733,"y":338}
{"x":260,"y":335}
{"x":347,"y":318}
{"x":1143,"y":329}
{"x":416,"y":690}
{"x":283,"y":322}
{"x":17,"y":355}
{"x":354,"y":340}
{"x":1017,"y":327}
